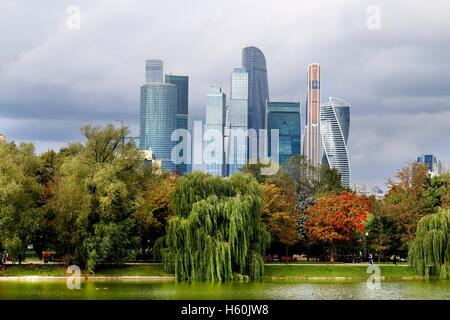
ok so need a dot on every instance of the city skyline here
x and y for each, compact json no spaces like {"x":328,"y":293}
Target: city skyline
{"x":395,"y":77}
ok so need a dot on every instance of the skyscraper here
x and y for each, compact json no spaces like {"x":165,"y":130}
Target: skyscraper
{"x":153,"y":70}
{"x":215,"y":120}
{"x":158,"y":117}
{"x":335,"y":125}
{"x":182,"y":85}
{"x":238,"y":112}
{"x":254,"y":62}
{"x":284,"y":116}
{"x":312,"y":141}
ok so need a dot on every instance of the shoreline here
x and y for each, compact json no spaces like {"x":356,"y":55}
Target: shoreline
{"x":172,"y":278}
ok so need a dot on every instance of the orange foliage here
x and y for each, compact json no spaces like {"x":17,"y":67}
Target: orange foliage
{"x":337,"y":217}
{"x":279,"y":214}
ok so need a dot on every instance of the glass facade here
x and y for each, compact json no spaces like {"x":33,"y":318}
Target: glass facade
{"x":238,"y":121}
{"x":158,"y":120}
{"x":153,"y":70}
{"x":284,"y":116}
{"x":182,"y":85}
{"x":254,"y":62}
{"x":335,"y":125}
{"x":215,"y":120}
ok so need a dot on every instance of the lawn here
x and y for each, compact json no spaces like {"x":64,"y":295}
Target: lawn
{"x":59,"y":270}
{"x":288,"y":270}
{"x":299,"y":270}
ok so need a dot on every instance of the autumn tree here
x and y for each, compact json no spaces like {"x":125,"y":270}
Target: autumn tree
{"x":152,"y":216}
{"x":280,"y":215}
{"x":337,"y":217}
{"x":408,"y":201}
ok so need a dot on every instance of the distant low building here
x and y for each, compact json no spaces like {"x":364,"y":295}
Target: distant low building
{"x":433,"y":166}
{"x":2,"y":138}
{"x":150,"y":160}
{"x":372,"y":190}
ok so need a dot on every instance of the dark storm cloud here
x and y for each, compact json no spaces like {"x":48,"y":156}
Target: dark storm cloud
{"x":52,"y":80}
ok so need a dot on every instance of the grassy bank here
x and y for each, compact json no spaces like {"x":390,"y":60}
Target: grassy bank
{"x":290,"y":270}
{"x":60,"y":271}
{"x":299,"y":270}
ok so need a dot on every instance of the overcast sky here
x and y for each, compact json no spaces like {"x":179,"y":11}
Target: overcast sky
{"x":396,"y":78}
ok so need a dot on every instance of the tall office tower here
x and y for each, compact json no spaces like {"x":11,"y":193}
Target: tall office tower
{"x":335,"y":125}
{"x":158,"y":120}
{"x":226,"y":141}
{"x":238,"y":141}
{"x":215,"y":121}
{"x":182,"y":85}
{"x":312,"y":141}
{"x":254,"y":62}
{"x":153,"y":70}
{"x":284,"y":116}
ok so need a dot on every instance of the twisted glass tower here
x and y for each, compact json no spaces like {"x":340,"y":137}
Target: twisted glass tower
{"x":335,"y":125}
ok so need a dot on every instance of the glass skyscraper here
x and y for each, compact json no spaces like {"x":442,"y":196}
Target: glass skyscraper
{"x":238,"y":121}
{"x":158,"y":120}
{"x":182,"y":85}
{"x":153,"y":70}
{"x":284,"y":116}
{"x":254,"y":62}
{"x":335,"y":125}
{"x":215,"y":120}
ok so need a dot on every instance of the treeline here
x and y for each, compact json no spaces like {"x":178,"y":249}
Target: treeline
{"x":98,"y":202}
{"x":309,"y":211}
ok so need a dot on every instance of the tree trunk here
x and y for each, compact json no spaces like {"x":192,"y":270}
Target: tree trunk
{"x":287,"y":253}
{"x":332,"y":252}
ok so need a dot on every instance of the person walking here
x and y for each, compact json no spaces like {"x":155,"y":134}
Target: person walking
{"x":370,"y":258}
{"x":394,"y":259}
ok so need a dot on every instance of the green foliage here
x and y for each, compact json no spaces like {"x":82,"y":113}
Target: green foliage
{"x":216,"y":231}
{"x":431,"y":247}
{"x":100,"y":186}
{"x":20,"y":214}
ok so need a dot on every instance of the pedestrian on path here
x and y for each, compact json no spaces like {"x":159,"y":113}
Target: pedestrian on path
{"x":370,"y":258}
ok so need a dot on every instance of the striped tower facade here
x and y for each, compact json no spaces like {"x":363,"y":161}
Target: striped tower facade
{"x":312,"y":141}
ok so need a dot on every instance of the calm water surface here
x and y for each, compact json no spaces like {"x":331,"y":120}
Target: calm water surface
{"x":273,"y":290}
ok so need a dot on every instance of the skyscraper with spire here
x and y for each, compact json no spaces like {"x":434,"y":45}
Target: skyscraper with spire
{"x":312,"y":141}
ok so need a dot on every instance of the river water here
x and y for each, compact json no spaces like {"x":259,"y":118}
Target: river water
{"x":268,"y":289}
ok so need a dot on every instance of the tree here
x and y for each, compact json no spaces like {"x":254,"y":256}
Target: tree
{"x":337,"y":217}
{"x":216,"y":230}
{"x":151,"y":218}
{"x":431,"y":246}
{"x":408,"y":201}
{"x":100,"y":186}
{"x":20,"y":214}
{"x":280,"y":215}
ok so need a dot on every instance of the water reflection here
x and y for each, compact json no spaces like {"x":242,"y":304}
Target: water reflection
{"x":297,"y":290}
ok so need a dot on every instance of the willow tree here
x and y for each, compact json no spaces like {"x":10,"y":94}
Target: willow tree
{"x":216,"y":233}
{"x":431,"y":247}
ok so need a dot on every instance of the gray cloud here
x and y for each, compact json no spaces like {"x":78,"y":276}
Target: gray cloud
{"x":53,"y":80}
